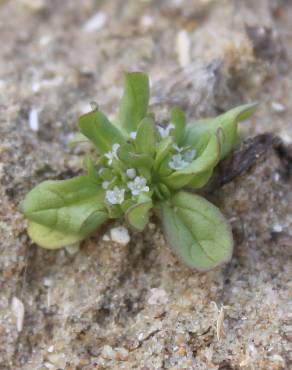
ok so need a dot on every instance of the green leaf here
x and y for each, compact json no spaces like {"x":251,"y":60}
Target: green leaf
{"x":197,"y":231}
{"x":128,"y":156}
{"x":227,"y":121}
{"x":163,"y":149}
{"x":201,"y":180}
{"x":145,"y":141}
{"x":49,"y":238}
{"x":179,"y":120}
{"x":100,"y":131}
{"x":91,"y":169}
{"x":135,"y":100}
{"x":203,"y":163}
{"x":138,"y":215}
{"x":161,"y":191}
{"x":72,"y":207}
{"x":77,"y":139}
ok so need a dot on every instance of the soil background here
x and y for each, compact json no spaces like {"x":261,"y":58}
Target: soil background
{"x":106,"y":305}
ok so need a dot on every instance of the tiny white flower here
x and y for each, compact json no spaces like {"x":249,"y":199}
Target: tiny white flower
{"x":100,"y":171}
{"x":189,"y":155}
{"x":131,"y":173}
{"x":115,"y":196}
{"x":177,"y":162}
{"x":138,"y":185}
{"x":105,"y":184}
{"x":133,"y":135}
{"x":165,"y":131}
{"x":112,"y":154}
{"x":177,"y":148}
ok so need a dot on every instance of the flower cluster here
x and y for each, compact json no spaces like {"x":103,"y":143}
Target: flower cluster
{"x":118,"y":190}
{"x":117,"y":194}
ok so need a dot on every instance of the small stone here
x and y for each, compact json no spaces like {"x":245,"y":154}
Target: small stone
{"x":18,"y":310}
{"x":50,"y":349}
{"x":96,"y":22}
{"x":57,"y":359}
{"x":34,"y":5}
{"x":140,"y":336}
{"x":183,"y":48}
{"x":158,"y":296}
{"x":120,"y":235}
{"x":108,"y":352}
{"x":50,"y":366}
{"x":106,"y":238}
{"x":147,"y":21}
{"x":34,"y":119}
{"x":73,"y":248}
{"x":122,"y":354}
{"x":277,"y":228}
{"x":278,"y":107}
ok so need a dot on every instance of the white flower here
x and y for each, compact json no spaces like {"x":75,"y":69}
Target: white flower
{"x":189,"y":155}
{"x":115,"y":196}
{"x":177,"y":148}
{"x":138,"y":185}
{"x":164,"y":131}
{"x":181,"y":160}
{"x":100,"y":171}
{"x":131,"y":173}
{"x":112,"y":154}
{"x":133,"y":135}
{"x":105,"y":184}
{"x":177,"y":162}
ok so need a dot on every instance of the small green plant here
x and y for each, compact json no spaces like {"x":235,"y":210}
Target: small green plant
{"x":139,"y":167}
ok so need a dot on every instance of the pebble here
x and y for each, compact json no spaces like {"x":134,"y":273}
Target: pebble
{"x":34,"y":5}
{"x":158,"y":296}
{"x":183,"y":48}
{"x":108,"y":352}
{"x":96,"y":22}
{"x":18,"y":310}
{"x":73,"y":248}
{"x":46,"y":83}
{"x":34,"y":119}
{"x":50,"y":349}
{"x":106,"y":238}
{"x":277,"y":228}
{"x":121,"y":354}
{"x":278,"y":107}
{"x":147,"y":21}
{"x":120,"y":235}
{"x":2,"y":84}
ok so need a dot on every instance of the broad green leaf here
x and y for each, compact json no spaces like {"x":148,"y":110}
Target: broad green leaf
{"x":135,"y":100}
{"x":72,"y":206}
{"x":50,"y":238}
{"x":100,"y":131}
{"x":179,"y":120}
{"x":145,"y":141}
{"x":197,"y":231}
{"x":204,"y":162}
{"x":138,"y":215}
{"x":227,"y":121}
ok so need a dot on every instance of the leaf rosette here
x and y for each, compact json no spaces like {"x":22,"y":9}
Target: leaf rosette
{"x":141,"y":166}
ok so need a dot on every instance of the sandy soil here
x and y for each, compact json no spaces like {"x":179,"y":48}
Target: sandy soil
{"x":136,"y":306}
